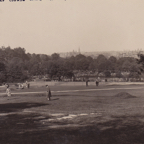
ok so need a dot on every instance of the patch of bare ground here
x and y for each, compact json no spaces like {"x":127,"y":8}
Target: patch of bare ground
{"x":26,"y":129}
{"x":124,"y":95}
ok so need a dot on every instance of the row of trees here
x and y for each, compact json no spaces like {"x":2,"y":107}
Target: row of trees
{"x":17,"y":65}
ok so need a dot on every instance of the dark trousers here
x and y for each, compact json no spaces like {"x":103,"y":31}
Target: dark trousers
{"x":48,"y":95}
{"x":97,"y":83}
{"x":86,"y":83}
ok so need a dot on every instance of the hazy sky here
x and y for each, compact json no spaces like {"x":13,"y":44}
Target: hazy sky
{"x":63,"y":26}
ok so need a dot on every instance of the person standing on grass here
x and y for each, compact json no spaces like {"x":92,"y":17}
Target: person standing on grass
{"x":8,"y":91}
{"x":97,"y":82}
{"x":87,"y":82}
{"x":26,"y":83}
{"x":28,"y":86}
{"x":22,"y":86}
{"x":48,"y":93}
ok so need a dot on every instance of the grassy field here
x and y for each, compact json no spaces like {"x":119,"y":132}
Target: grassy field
{"x":76,"y":115}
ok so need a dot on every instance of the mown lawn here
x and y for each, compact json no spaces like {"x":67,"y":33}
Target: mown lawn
{"x":83,"y":117}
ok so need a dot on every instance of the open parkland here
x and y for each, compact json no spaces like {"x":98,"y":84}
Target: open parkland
{"x":76,"y":114}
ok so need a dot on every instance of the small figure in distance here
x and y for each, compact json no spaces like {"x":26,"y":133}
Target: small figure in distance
{"x":8,"y":91}
{"x":48,"y":93}
{"x":87,"y":80}
{"x":97,"y":82}
{"x":27,"y":85}
{"x":21,"y":86}
{"x":6,"y":85}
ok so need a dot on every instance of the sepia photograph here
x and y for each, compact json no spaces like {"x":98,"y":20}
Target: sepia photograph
{"x":71,"y":72}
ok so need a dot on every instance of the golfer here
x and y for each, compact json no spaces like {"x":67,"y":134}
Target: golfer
{"x":48,"y":93}
{"x":87,"y":82}
{"x":97,"y":82}
{"x":8,"y":92}
{"x":27,"y":85}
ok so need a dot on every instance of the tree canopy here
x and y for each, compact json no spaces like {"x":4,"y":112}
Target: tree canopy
{"x":17,"y":65}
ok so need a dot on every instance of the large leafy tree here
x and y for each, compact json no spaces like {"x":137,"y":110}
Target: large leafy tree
{"x":15,"y":64}
{"x":2,"y":72}
{"x":81,"y":62}
{"x":113,"y":59}
{"x":15,"y":70}
{"x":2,"y":67}
{"x":55,"y":56}
{"x":140,"y":61}
{"x":101,"y":59}
{"x":20,"y":52}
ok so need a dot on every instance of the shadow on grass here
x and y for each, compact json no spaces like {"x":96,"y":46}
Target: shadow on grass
{"x":26,"y":129}
{"x":13,"y":107}
{"x":54,"y":99}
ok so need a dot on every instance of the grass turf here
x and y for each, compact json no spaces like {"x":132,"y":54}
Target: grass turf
{"x":28,"y":119}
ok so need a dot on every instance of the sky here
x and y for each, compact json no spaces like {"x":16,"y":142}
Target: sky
{"x":46,"y":27}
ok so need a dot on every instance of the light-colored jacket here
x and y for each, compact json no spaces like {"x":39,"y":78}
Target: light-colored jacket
{"x":8,"y":92}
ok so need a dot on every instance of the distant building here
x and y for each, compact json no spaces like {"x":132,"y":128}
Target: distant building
{"x":107,"y":54}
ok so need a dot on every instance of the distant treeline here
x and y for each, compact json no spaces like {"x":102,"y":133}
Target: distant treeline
{"x":17,"y":65}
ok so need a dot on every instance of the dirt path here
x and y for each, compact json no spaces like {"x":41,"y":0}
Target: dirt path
{"x":65,"y":91}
